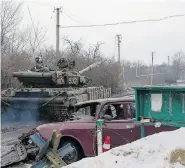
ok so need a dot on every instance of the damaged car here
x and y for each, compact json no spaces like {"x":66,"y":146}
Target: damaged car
{"x":119,"y":123}
{"x":80,"y":132}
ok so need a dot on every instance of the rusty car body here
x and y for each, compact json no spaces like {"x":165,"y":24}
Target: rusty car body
{"x":81,"y":132}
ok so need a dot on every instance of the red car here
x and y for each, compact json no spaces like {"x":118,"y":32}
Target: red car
{"x":119,"y":124}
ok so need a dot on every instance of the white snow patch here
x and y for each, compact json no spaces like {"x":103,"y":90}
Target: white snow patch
{"x":149,"y":152}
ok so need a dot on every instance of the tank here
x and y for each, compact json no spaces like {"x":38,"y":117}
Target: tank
{"x":49,"y":94}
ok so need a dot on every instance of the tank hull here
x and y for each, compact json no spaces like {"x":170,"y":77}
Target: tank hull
{"x":47,"y":105}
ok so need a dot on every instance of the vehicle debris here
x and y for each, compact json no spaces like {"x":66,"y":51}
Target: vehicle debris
{"x":16,"y":154}
{"x":45,"y":153}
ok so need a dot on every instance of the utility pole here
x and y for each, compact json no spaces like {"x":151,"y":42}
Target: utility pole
{"x":118,"y":36}
{"x":168,"y":61}
{"x":120,"y":68}
{"x":57,"y":30}
{"x":152,"y":68}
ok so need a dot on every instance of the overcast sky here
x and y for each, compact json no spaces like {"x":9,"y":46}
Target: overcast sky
{"x":138,"y":40}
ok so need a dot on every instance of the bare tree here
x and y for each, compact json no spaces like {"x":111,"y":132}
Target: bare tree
{"x":74,"y":48}
{"x":36,"y":36}
{"x":178,"y":64}
{"x":17,"y":45}
{"x":10,"y":18}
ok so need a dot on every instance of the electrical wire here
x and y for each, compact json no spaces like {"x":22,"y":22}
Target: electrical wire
{"x":35,"y":2}
{"x":125,"y":22}
{"x":72,"y":18}
{"x":80,"y":19}
{"x":34,"y":28}
{"x":52,"y":13}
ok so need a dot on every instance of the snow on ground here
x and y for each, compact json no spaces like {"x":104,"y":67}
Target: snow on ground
{"x":150,"y":152}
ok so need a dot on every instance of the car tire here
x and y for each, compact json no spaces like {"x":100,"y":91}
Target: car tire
{"x":75,"y":156}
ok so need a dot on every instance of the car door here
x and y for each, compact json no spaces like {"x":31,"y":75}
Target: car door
{"x":121,"y":130}
{"x":85,"y":130}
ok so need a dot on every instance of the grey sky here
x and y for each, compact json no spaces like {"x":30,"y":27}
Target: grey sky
{"x":138,"y":40}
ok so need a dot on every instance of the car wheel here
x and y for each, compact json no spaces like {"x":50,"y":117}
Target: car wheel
{"x":74,"y":156}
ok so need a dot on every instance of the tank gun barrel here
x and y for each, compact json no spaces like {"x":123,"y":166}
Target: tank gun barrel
{"x":96,"y":64}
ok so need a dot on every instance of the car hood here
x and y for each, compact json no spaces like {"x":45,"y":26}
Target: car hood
{"x":46,"y":130}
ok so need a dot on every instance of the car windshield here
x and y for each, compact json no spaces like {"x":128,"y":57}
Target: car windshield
{"x":87,"y":111}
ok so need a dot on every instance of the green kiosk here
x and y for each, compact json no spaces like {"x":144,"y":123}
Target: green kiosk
{"x":160,"y":104}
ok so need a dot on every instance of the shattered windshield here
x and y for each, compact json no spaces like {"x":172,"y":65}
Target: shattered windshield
{"x":87,"y":111}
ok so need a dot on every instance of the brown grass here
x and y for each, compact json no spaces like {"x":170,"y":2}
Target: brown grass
{"x":178,"y":155}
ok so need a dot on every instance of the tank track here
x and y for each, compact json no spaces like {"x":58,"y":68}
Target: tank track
{"x":48,"y":113}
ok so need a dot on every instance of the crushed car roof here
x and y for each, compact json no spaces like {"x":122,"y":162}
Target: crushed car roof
{"x":106,"y":100}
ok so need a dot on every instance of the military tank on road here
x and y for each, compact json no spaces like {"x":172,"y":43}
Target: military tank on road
{"x":49,"y":94}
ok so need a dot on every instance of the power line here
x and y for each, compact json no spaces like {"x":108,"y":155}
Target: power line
{"x":35,"y":2}
{"x":52,"y":13}
{"x":34,"y":28}
{"x":76,"y":17}
{"x":125,"y":22}
{"x":71,"y":17}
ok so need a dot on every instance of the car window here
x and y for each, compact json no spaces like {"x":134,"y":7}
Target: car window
{"x":84,"y":110}
{"x":132,"y":109}
{"x":89,"y":109}
{"x":119,"y":111}
{"x":109,"y":109}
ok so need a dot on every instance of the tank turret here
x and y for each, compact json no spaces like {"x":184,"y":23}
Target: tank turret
{"x":65,"y":76}
{"x":51,"y":93}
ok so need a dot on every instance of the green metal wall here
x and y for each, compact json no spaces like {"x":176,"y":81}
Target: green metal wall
{"x":173,"y":103}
